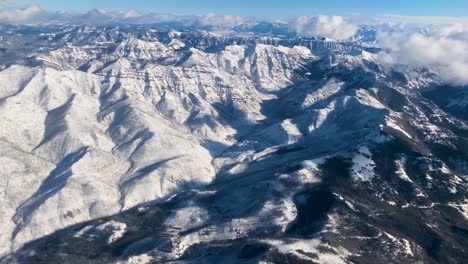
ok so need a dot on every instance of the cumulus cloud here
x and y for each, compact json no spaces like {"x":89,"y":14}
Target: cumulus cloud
{"x":445,"y":50}
{"x":33,"y":14}
{"x":217,"y":21}
{"x":327,"y":26}
{"x":25,"y":15}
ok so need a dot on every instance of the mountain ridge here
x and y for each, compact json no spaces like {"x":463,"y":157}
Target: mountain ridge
{"x":207,"y":137}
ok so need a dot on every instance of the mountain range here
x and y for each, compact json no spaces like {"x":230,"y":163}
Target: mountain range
{"x":150,"y":143}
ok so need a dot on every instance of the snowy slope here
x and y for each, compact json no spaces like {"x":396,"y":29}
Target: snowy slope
{"x":160,"y":145}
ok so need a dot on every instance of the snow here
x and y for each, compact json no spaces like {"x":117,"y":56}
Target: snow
{"x":20,"y":175}
{"x":117,"y":230}
{"x":277,"y":213}
{"x":366,"y":99}
{"x":393,"y":124}
{"x":461,"y":207}
{"x":294,"y":134}
{"x":95,"y":129}
{"x":140,"y":259}
{"x":408,"y":249}
{"x":368,"y":56}
{"x":404,"y":244}
{"x":349,"y":204}
{"x":186,"y":218}
{"x":328,"y":90}
{"x":289,"y":212}
{"x":445,"y":170}
{"x":310,"y":170}
{"x":52,"y":114}
{"x":83,"y":231}
{"x":400,"y":172}
{"x":309,"y":246}
{"x":363,"y":165}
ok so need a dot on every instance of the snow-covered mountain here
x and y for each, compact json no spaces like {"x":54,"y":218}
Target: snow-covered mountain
{"x":137,"y":144}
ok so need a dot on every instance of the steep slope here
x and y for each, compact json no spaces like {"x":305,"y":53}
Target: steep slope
{"x":190,"y":146}
{"x":144,"y":122}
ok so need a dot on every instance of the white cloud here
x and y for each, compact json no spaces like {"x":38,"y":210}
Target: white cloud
{"x":327,"y":26}
{"x":25,"y":15}
{"x":33,"y":14}
{"x":219,"y":21}
{"x":445,"y":50}
{"x":425,"y":20}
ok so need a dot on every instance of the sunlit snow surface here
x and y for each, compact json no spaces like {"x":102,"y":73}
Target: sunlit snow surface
{"x":157,"y":145}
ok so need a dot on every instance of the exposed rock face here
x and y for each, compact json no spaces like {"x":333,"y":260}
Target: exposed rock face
{"x":133,"y":144}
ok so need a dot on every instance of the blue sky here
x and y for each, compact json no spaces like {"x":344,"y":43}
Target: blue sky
{"x":267,"y":8}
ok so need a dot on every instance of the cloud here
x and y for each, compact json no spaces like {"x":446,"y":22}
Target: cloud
{"x":445,"y":50}
{"x":33,"y":14}
{"x":25,"y":15}
{"x":217,"y":21}
{"x":425,"y":20}
{"x":326,"y":26}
